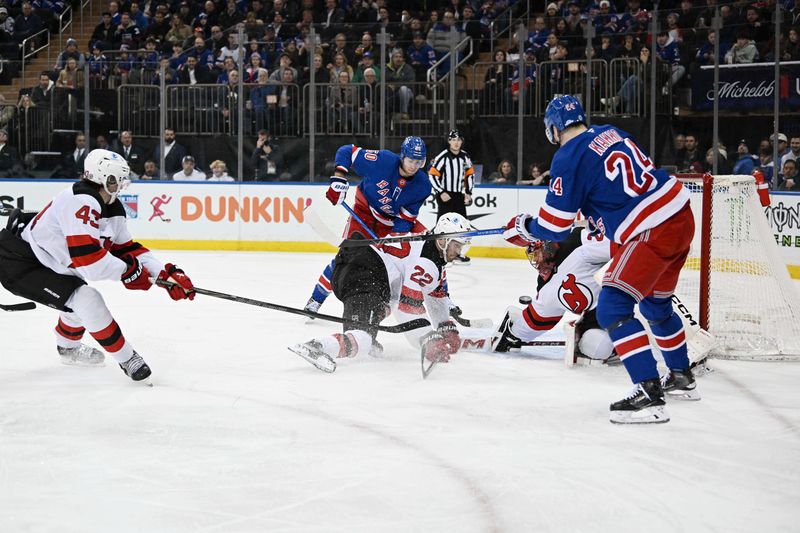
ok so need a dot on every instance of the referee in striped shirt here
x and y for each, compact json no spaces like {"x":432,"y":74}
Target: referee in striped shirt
{"x":452,"y":180}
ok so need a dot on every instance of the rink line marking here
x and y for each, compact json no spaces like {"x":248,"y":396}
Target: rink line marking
{"x":755,"y":398}
{"x":483,"y":499}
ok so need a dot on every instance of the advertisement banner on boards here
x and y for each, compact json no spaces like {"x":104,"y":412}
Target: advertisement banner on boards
{"x":751,"y":87}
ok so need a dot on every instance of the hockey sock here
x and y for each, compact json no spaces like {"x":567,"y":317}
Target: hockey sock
{"x":69,"y":330}
{"x":615,"y":314}
{"x":323,"y":288}
{"x":671,"y":340}
{"x":348,"y":344}
{"x":88,"y":305}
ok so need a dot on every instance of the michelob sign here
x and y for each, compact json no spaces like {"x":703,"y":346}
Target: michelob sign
{"x":747,"y":87}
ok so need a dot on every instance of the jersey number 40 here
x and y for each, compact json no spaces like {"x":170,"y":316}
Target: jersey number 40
{"x":635,"y":168}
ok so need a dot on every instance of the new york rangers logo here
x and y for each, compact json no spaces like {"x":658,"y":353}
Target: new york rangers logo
{"x":575,"y":296}
{"x":131,"y":204}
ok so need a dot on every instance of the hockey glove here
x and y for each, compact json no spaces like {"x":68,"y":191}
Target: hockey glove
{"x":517,"y":231}
{"x":183,"y":287}
{"x":136,"y":277}
{"x":449,"y":333}
{"x":337,"y":190}
{"x":435,"y":348}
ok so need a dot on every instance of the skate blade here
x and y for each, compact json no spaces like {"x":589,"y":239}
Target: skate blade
{"x":701,"y":368}
{"x":648,"y":415}
{"x":683,"y":395}
{"x":320,"y":360}
{"x":74,"y":362}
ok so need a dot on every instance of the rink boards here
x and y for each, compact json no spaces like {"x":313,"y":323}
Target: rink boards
{"x":270,"y":217}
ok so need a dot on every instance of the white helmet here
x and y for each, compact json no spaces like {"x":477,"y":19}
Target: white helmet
{"x":102,"y":165}
{"x":453,"y":223}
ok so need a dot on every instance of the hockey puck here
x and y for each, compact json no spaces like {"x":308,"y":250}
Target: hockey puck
{"x":525,"y":300}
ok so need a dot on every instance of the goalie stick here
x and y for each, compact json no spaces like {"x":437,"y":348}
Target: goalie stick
{"x":398,"y":328}
{"x":24,"y":306}
{"x":421,"y":237}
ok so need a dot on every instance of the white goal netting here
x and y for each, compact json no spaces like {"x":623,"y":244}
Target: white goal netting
{"x":750,"y":303}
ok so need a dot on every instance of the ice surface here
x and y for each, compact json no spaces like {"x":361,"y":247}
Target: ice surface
{"x":238,"y":434}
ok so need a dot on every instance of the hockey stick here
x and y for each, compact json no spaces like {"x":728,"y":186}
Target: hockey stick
{"x":481,"y":323}
{"x":421,"y":237}
{"x":399,"y":328}
{"x":426,"y":370}
{"x":358,"y":219}
{"x":25,"y":306}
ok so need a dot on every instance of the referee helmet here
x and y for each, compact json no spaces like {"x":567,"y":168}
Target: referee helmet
{"x":454,"y":134}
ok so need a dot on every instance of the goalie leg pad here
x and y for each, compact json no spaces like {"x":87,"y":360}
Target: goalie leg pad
{"x":503,"y":340}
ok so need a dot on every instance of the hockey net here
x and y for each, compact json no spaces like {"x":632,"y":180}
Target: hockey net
{"x":735,"y":279}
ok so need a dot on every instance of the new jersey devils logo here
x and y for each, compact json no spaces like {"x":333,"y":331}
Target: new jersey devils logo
{"x":575,"y":296}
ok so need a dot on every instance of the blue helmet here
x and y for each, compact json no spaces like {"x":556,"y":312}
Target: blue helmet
{"x":414,"y":148}
{"x":562,"y":111}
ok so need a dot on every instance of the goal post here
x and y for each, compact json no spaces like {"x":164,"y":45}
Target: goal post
{"x":735,"y":278}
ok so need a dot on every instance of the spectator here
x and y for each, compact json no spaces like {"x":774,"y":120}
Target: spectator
{"x":70,"y":77}
{"x":759,"y":31}
{"x":254,"y":69}
{"x":746,"y":162}
{"x":421,"y":56}
{"x":690,"y":155}
{"x":367,"y":62}
{"x":705,"y":53}
{"x":743,"y":51}
{"x":687,"y":17}
{"x":504,"y":174}
{"x":679,"y":142}
{"x":98,"y":68}
{"x":538,"y":37}
{"x":230,"y":50}
{"x":158,"y":28}
{"x":782,"y":144}
{"x":339,"y":66}
{"x":133,"y":154}
{"x":631,"y":92}
{"x":790,"y":181}
{"x":138,"y":18}
{"x":104,"y":32}
{"x":366,"y":45}
{"x":440,"y":37}
{"x":608,"y":50}
{"x":529,"y":80}
{"x":284,"y":63}
{"x":170,"y":74}
{"x":398,"y":74}
{"x":101,"y":142}
{"x":267,"y":159}
{"x":205,"y":56}
{"x":674,"y":31}
{"x":10,"y":164}
{"x":282,"y":31}
{"x":189,"y":172}
{"x":630,"y":47}
{"x":6,"y":25}
{"x":261,"y":98}
{"x":668,"y":52}
{"x":194,"y":73}
{"x":287,"y":103}
{"x":536,"y":176}
{"x":321,"y":75}
{"x":127,"y":32}
{"x":496,"y":84}
{"x":367,"y":108}
{"x":113,"y":9}
{"x":766,"y":165}
{"x":231,"y":16}
{"x":150,"y":171}
{"x":470,"y":26}
{"x":333,"y":20}
{"x":606,"y":21}
{"x":342,"y":102}
{"x":42,"y":94}
{"x":178,"y":32}
{"x":793,"y":152}
{"x":228,"y":66}
{"x":72,"y":165}
{"x":219,"y":172}
{"x":7,"y":111}
{"x":124,"y":64}
{"x":254,"y":48}
{"x":339,"y":47}
{"x":71,"y":51}
{"x":173,"y":153}
{"x":722,"y":162}
{"x":27,"y":23}
{"x":791,"y":50}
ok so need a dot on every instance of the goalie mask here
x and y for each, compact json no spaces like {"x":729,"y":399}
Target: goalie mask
{"x":542,"y":255}
{"x":453,"y":246}
{"x":108,"y":169}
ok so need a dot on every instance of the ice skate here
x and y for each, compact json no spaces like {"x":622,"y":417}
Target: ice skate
{"x":644,"y":405}
{"x":680,"y":385}
{"x":135,"y":368}
{"x":312,"y":352}
{"x":312,"y":306}
{"x":81,"y":355}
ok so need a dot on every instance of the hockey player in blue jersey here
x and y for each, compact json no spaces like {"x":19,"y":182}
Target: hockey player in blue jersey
{"x":604,"y":174}
{"x":388,"y":199}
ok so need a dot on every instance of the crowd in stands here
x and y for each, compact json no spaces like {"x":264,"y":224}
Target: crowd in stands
{"x":197,"y":43}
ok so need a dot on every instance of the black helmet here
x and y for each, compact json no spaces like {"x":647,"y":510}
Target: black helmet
{"x":454,"y":134}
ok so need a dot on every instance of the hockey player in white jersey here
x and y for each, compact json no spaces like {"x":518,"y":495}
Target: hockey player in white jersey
{"x":566,"y":283}
{"x":404,"y":279}
{"x":80,"y":236}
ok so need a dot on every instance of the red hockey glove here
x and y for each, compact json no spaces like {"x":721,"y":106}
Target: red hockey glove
{"x":136,"y":277}
{"x":337,"y":191}
{"x":449,"y":333}
{"x":435,"y":348}
{"x":517,"y":231}
{"x":762,"y":187}
{"x":183,"y":288}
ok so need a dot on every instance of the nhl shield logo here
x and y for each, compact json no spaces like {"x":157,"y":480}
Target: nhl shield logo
{"x":131,"y":204}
